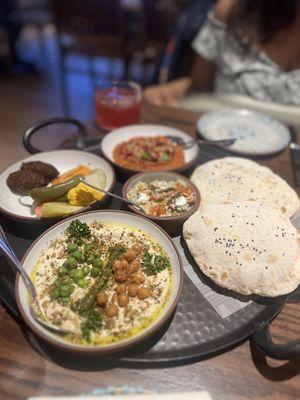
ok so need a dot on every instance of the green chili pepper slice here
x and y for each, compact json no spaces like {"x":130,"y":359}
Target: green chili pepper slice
{"x":45,"y":194}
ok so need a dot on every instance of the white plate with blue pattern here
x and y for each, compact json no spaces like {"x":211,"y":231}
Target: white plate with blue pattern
{"x":256,"y":134}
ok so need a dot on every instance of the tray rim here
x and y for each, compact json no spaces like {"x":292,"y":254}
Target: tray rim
{"x":266,"y":315}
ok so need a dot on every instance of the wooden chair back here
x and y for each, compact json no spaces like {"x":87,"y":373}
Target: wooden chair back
{"x":159,"y":17}
{"x":94,"y":17}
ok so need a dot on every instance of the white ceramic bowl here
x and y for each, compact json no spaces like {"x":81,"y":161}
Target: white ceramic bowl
{"x":32,"y":255}
{"x":112,"y":139}
{"x":62,"y":160}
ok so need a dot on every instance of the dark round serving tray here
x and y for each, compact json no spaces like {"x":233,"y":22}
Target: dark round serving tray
{"x":194,"y":332}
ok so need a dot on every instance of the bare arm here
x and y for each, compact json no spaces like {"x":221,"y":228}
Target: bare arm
{"x":171,"y":93}
{"x":200,"y":79}
{"x":203,"y":71}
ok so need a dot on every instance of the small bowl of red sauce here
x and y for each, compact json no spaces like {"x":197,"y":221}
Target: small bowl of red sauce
{"x":166,"y":198}
{"x":141,"y":148}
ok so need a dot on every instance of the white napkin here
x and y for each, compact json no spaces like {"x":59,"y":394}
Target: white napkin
{"x":164,"y":396}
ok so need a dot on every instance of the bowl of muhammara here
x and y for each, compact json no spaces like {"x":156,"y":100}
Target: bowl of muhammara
{"x":166,"y":198}
{"x":141,"y":148}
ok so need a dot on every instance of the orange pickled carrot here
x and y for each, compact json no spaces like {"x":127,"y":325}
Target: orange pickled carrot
{"x":81,"y":169}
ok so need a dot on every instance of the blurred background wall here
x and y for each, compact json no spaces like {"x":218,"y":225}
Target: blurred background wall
{"x":53,"y":52}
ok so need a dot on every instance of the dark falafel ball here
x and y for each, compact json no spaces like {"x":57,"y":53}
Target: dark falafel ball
{"x":42,"y":168}
{"x":22,"y":181}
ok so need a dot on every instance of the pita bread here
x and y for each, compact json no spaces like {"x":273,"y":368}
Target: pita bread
{"x":245,"y":246}
{"x":234,"y":178}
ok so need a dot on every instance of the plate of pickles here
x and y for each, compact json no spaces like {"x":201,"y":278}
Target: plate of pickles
{"x":54,"y":185}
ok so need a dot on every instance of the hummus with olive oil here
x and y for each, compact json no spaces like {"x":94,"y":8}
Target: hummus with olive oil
{"x":132,"y":319}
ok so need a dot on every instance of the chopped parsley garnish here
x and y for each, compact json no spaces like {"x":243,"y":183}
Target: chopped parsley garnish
{"x":115,"y":252}
{"x":86,"y":303}
{"x":87,"y":306}
{"x":165,"y":157}
{"x":145,"y":155}
{"x":153,"y":264}
{"x":93,"y":323}
{"x":78,"y":231}
{"x":83,"y":305}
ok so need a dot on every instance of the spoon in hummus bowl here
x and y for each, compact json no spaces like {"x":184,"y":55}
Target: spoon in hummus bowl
{"x":35,"y":309}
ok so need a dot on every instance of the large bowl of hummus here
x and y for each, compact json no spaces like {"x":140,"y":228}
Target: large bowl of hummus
{"x":110,"y":279}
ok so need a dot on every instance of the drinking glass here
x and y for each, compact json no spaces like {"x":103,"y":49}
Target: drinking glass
{"x":117,"y":104}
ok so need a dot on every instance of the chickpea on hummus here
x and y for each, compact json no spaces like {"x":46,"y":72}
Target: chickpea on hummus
{"x":102,"y":282}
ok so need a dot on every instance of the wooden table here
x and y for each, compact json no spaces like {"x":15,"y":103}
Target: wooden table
{"x":240,"y":373}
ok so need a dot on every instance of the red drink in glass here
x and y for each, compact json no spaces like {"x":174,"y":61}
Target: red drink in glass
{"x":117,"y":104}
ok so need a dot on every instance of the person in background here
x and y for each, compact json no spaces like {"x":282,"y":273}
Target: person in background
{"x":247,"y":47}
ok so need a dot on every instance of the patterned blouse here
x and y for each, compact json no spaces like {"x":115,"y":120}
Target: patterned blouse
{"x":252,"y":73}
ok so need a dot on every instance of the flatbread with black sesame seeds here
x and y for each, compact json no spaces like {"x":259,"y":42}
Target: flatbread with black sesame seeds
{"x":245,"y":246}
{"x":235,"y":178}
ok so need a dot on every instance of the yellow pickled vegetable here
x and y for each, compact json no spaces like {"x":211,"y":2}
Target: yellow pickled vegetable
{"x":83,"y":195}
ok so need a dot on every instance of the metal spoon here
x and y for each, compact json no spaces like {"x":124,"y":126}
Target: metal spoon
{"x":190,"y":143}
{"x":25,"y":200}
{"x":34,"y":306}
{"x":134,"y":203}
{"x":294,"y":146}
